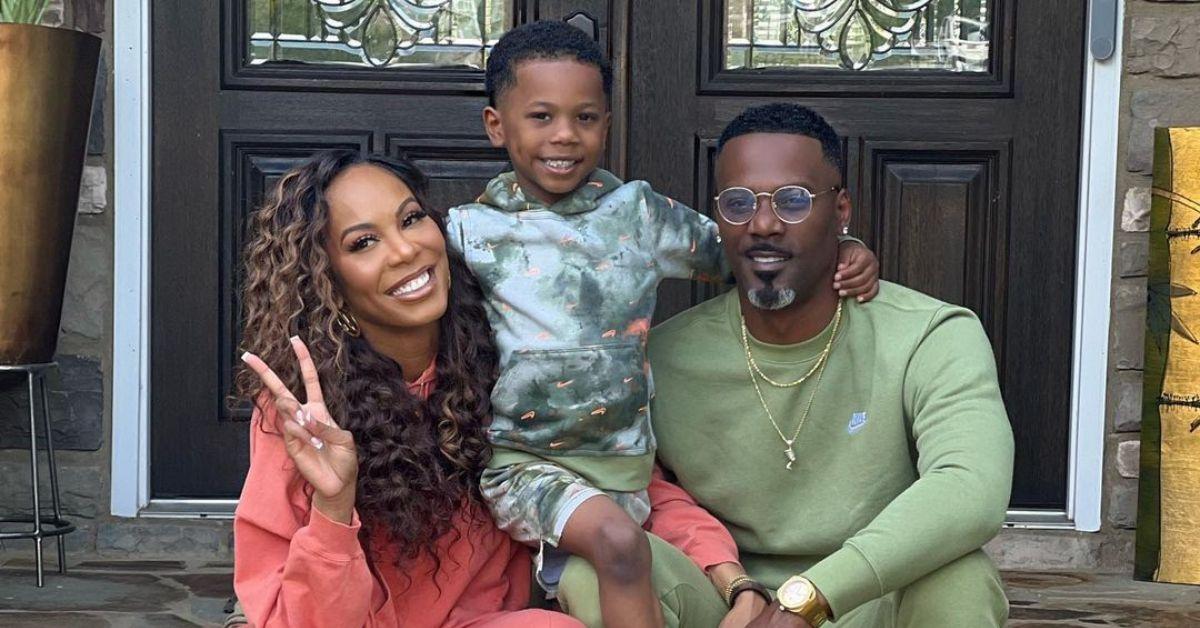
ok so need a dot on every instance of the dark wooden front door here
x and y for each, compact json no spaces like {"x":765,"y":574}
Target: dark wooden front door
{"x":962,"y":147}
{"x":243,"y":90}
{"x":961,"y":120}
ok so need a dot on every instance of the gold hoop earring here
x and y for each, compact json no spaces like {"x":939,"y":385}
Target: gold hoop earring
{"x":348,"y":324}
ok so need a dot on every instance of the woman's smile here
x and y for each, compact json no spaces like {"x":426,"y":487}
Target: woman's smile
{"x":386,"y":250}
{"x":414,"y":287}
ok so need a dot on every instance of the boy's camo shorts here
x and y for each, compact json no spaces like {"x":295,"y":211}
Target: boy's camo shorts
{"x":532,"y":501}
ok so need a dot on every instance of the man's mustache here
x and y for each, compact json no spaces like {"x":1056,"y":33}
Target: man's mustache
{"x":767,"y":248}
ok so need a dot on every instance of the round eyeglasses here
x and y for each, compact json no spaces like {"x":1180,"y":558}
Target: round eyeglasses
{"x":791,"y":203}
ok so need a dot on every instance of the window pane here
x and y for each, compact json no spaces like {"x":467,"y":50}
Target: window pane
{"x":953,"y":35}
{"x":376,"y":33}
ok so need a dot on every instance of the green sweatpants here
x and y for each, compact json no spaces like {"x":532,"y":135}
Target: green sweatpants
{"x":688,"y":597}
{"x":966,"y":592}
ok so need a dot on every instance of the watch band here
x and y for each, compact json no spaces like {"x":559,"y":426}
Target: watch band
{"x":749,"y":585}
{"x":815,"y":616}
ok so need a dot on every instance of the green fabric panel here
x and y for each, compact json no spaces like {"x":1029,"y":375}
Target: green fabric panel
{"x":611,"y":473}
{"x":967,"y":592}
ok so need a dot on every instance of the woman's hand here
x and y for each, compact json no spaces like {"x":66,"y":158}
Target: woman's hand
{"x":324,"y":454}
{"x":857,"y":272}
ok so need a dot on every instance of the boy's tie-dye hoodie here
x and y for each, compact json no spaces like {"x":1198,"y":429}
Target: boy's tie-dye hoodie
{"x":569,"y":291}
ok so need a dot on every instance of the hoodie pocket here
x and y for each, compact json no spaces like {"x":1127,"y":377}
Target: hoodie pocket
{"x":590,"y":400}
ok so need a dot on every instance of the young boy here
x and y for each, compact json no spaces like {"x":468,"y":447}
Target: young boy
{"x":569,"y":259}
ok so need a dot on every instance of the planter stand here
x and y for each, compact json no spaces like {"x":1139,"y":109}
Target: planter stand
{"x":42,"y":526}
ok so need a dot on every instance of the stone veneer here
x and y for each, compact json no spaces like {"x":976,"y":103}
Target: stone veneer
{"x":1162,"y":76}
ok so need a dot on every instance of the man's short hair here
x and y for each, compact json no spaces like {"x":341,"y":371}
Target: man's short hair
{"x":786,"y":118}
{"x":545,"y":39}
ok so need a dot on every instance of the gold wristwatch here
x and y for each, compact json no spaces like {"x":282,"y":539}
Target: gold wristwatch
{"x":798,"y":595}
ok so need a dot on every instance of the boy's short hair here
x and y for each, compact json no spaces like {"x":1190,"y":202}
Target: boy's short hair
{"x":545,"y":39}
{"x":783,"y":117}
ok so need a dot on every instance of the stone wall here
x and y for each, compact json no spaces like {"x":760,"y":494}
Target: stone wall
{"x":1162,"y":77}
{"x":80,"y":392}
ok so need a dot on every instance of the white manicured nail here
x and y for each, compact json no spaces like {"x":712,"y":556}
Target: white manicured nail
{"x":316,"y":442}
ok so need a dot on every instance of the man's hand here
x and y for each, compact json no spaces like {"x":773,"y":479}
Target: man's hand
{"x":772,"y":617}
{"x":746,"y":607}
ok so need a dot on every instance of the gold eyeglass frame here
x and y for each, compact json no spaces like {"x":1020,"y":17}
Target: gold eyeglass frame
{"x":774,"y":207}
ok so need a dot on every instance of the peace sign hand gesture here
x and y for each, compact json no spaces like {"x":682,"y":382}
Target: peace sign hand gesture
{"x":323,"y":453}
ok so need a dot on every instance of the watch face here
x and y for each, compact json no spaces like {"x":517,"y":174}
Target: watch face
{"x":795,"y":592}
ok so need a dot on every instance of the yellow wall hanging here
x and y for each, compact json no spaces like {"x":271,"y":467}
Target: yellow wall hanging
{"x":1168,"y":535}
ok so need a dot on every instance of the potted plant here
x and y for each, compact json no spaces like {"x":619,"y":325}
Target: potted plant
{"x":22,"y":11}
{"x":47,"y":77}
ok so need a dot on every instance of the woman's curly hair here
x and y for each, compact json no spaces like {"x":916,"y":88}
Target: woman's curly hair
{"x":419,"y":461}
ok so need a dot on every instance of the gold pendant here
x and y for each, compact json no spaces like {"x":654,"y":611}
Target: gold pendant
{"x":791,"y":456}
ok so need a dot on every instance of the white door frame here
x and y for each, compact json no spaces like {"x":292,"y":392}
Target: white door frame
{"x":1094,"y":282}
{"x":130,"y":471}
{"x":131,"y":287}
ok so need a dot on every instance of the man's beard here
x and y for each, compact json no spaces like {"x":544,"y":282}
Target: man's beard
{"x":768,"y":297}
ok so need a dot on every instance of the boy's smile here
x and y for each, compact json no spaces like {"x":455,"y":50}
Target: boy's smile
{"x":553,"y":122}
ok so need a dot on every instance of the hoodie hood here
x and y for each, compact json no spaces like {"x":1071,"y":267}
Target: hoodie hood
{"x":505,"y":194}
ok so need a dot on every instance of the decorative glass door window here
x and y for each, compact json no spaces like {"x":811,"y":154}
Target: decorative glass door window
{"x":375,"y":33}
{"x":951,"y":35}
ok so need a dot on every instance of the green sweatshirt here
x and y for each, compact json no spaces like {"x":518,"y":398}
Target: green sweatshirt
{"x":903,"y":465}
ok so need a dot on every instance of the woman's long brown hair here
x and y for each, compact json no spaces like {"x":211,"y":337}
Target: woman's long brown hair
{"x":418,"y":460}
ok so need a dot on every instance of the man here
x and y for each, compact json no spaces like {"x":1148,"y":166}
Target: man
{"x":860,"y":455}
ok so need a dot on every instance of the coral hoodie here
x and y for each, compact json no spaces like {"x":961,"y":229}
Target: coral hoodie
{"x":294,"y":567}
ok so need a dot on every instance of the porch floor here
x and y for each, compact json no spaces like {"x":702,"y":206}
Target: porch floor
{"x":169,"y":593}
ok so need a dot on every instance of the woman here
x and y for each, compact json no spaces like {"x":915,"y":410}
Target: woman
{"x":362,"y":507}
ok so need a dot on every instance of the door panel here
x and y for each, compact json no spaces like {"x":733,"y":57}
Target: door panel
{"x":815,"y":47}
{"x":243,"y":90}
{"x":961,"y":144}
{"x":937,"y":213}
{"x":458,"y":166}
{"x":362,"y":45}
{"x":963,"y":173}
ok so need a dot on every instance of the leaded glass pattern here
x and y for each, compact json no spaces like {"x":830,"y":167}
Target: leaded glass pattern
{"x":855,"y":35}
{"x":376,"y":33}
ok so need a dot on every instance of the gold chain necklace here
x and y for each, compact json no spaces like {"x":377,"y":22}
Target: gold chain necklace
{"x":837,"y":320}
{"x":790,"y":451}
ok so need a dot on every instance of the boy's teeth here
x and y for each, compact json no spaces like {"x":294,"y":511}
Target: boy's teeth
{"x":559,"y":163}
{"x":414,"y":285}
